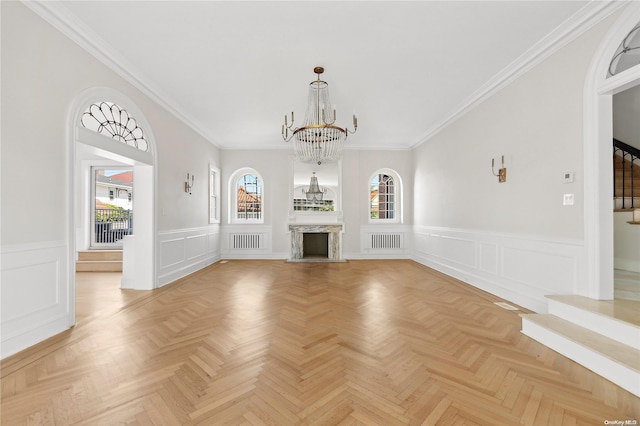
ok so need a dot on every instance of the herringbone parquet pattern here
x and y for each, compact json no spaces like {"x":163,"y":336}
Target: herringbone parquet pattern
{"x":276,"y":343}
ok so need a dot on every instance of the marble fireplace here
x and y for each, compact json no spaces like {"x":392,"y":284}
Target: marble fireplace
{"x":312,"y":238}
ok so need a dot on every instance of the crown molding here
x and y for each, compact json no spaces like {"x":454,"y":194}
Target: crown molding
{"x":588,"y":16}
{"x":53,"y":12}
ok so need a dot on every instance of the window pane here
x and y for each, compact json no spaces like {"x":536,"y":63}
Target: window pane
{"x":249,"y":201}
{"x":382,"y":197}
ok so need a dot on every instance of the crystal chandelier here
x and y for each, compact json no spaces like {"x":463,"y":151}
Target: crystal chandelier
{"x":314,"y":193}
{"x":319,"y":139}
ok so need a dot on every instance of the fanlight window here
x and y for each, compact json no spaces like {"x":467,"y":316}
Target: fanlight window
{"x":111,"y":120}
{"x":628,"y":53}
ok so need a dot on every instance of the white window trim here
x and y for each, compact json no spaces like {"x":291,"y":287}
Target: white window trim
{"x":398,"y":210}
{"x":233,"y":197}
{"x":214,"y":194}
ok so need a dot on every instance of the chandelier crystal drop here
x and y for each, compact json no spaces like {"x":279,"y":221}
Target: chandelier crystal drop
{"x":319,"y":139}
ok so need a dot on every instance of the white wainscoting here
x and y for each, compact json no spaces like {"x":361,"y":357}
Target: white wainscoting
{"x":384,"y":242}
{"x":184,"y":251}
{"x":34,"y":294}
{"x":517,"y":268}
{"x":247,"y":242}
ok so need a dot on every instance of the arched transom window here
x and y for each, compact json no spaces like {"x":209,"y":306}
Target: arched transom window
{"x":627,"y":54}
{"x":109,"y":119}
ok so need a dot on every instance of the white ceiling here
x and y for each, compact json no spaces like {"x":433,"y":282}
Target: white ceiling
{"x":232,"y":69}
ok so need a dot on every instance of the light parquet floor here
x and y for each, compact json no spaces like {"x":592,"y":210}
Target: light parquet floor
{"x":277,"y":343}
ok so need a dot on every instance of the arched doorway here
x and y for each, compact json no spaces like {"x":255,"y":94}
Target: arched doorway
{"x":600,"y":87}
{"x":107,"y":128}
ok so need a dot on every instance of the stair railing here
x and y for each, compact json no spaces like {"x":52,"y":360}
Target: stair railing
{"x":628,"y":153}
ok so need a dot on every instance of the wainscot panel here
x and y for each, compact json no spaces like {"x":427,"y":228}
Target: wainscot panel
{"x":247,"y":242}
{"x":383,"y":242}
{"x":185,"y":251}
{"x":521,"y":269}
{"x":35,"y":294}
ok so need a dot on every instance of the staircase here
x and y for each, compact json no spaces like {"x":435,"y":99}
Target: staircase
{"x":626,"y":169}
{"x":603,"y":336}
{"x":99,"y":261}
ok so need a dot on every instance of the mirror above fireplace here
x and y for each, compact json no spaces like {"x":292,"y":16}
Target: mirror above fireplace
{"x":315,"y":192}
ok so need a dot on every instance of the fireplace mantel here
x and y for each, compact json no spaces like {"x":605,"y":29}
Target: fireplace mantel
{"x":297,"y":234}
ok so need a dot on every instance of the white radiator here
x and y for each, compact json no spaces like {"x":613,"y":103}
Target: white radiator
{"x":246,"y":241}
{"x":386,"y":240}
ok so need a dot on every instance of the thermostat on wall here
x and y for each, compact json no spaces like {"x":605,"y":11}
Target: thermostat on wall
{"x":568,"y":177}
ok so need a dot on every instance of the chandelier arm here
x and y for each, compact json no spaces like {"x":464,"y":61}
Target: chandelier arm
{"x":318,"y":139}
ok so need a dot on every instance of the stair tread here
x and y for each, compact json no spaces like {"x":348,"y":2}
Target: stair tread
{"x":99,"y":255}
{"x":603,"y":345}
{"x":627,"y":311}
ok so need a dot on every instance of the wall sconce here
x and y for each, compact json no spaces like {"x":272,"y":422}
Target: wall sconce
{"x":502,"y":172}
{"x":188,"y":185}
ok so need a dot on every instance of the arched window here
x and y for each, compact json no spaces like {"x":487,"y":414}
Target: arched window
{"x":626,"y":55}
{"x":246,"y":190}
{"x":385,"y":192}
{"x":109,"y":119}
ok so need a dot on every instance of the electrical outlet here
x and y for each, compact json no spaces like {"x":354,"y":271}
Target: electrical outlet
{"x":567,"y":200}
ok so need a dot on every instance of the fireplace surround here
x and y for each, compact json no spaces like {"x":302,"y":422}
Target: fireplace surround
{"x":333,"y":250}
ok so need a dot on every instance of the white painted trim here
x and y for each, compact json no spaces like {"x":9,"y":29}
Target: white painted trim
{"x":116,"y":151}
{"x":214,"y":190}
{"x":233,"y":197}
{"x":592,"y":13}
{"x":23,"y":267}
{"x":146,"y":230}
{"x":399,"y":195}
{"x":519,"y":268}
{"x":620,"y":331}
{"x":56,"y":14}
{"x":59,"y":17}
{"x":265,"y":252}
{"x":366,"y":252}
{"x":598,"y":133}
{"x":600,"y":364}
{"x":184,"y":251}
{"x":6,"y":249}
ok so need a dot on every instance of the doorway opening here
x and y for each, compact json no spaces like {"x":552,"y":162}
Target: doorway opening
{"x":112,"y":206}
{"x":600,"y":87}
{"x":113,"y":153}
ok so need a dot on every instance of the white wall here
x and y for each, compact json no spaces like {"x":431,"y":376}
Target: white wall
{"x":515,"y":239}
{"x":275,"y":168}
{"x":626,"y":116}
{"x":43,"y":72}
{"x":626,"y":237}
{"x":358,"y":168}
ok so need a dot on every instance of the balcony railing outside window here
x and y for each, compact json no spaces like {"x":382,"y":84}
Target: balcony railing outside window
{"x":112,"y":225}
